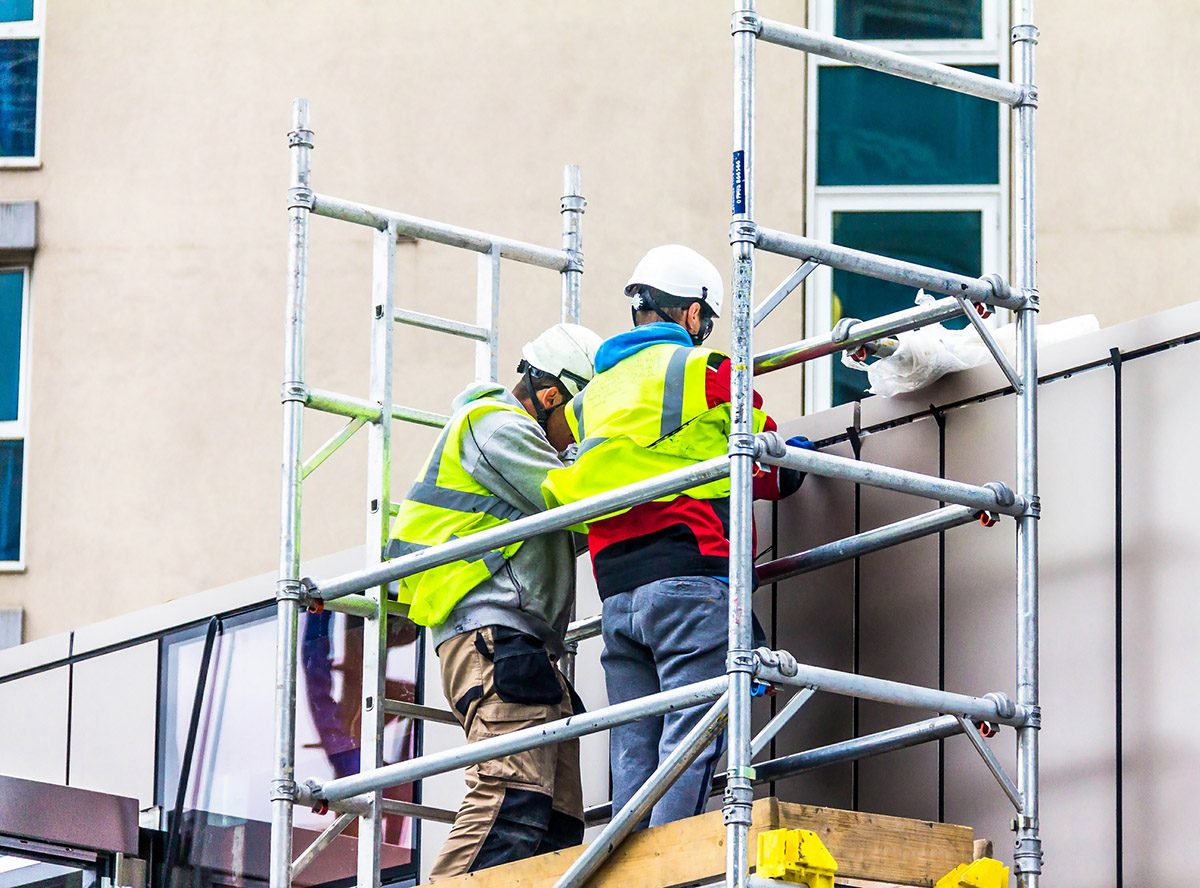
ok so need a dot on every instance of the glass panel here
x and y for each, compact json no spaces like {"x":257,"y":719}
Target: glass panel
{"x":949,"y":240}
{"x":909,"y":19}
{"x":16,"y":10}
{"x":876,"y":129}
{"x":18,"y":97}
{"x":12,"y":297}
{"x":12,"y":455}
{"x":28,"y":872}
{"x":226,"y":824}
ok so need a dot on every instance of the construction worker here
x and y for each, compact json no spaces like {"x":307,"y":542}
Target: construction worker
{"x":498,"y":621}
{"x":660,"y":402}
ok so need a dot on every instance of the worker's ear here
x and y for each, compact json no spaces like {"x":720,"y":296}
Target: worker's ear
{"x":692,"y":318}
{"x":550,"y":397}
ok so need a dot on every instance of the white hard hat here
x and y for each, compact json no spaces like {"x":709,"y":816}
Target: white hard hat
{"x":567,"y":351}
{"x":682,"y":272}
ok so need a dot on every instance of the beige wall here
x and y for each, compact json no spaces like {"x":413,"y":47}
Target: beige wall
{"x":158,"y":290}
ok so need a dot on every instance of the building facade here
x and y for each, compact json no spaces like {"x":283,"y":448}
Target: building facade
{"x":141,"y":335}
{"x":142,"y":341}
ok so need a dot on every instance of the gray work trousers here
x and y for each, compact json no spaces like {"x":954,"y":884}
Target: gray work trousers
{"x":658,"y":637}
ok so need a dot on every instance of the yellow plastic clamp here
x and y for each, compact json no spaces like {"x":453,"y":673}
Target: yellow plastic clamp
{"x":795,"y":855}
{"x":983,"y":873}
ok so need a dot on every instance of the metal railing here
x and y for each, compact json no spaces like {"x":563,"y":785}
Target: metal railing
{"x":364,"y":592}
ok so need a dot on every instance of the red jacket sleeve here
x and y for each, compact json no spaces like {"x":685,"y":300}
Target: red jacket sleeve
{"x":717,"y":388}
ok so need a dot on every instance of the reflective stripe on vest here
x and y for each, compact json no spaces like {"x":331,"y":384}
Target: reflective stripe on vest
{"x":446,"y":503}
{"x":646,"y":415}
{"x":672,"y":399}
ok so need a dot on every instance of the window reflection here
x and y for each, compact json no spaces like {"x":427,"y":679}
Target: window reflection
{"x":226,"y":822}
{"x":910,"y":19}
{"x":876,"y":129}
{"x":18,"y":97}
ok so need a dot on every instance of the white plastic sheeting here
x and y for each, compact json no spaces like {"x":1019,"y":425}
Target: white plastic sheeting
{"x":926,"y":355}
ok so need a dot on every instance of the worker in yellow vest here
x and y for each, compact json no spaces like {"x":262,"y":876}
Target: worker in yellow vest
{"x":660,"y":402}
{"x":498,"y":621}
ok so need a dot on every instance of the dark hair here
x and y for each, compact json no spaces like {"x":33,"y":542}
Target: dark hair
{"x":541,"y":382}
{"x":672,"y":305}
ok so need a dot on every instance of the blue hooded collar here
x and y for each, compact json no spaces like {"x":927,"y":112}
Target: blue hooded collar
{"x":617,"y":348}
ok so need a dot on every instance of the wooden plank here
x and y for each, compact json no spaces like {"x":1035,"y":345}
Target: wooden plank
{"x":880,"y":848}
{"x":866,"y":846}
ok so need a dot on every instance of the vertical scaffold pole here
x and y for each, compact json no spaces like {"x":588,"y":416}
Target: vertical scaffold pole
{"x":379,"y":450}
{"x":739,"y":792}
{"x":1027,"y":854}
{"x":487,"y":315}
{"x":283,"y":784}
{"x":572,"y":206}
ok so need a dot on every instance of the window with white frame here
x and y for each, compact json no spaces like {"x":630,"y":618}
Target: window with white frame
{"x":21,"y":28}
{"x":14,"y":411}
{"x":901,"y":168}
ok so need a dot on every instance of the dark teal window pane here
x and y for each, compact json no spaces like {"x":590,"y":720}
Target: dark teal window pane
{"x":909,"y":19}
{"x":949,"y":240}
{"x":876,"y":129}
{"x":11,"y":459}
{"x":18,"y":97}
{"x":12,"y":286}
{"x":16,"y":10}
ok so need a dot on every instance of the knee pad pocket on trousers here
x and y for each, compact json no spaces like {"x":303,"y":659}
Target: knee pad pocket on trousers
{"x":518,"y":830}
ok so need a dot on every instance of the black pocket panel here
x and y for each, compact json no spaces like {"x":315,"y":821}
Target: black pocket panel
{"x":523,"y":671}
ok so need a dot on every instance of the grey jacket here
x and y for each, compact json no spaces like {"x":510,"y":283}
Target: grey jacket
{"x":533,"y":592}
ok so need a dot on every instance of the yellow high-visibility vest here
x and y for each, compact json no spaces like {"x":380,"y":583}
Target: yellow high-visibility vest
{"x":446,"y":503}
{"x":646,"y":415}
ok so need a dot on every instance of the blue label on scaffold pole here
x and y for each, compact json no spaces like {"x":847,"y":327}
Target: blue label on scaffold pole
{"x":739,"y":182}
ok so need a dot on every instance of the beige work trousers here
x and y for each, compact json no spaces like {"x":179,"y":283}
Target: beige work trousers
{"x":519,"y":805}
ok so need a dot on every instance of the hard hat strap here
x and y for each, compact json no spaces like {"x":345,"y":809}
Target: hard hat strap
{"x":543,"y":415}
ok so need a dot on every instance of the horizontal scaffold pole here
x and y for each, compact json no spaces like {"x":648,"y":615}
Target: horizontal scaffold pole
{"x":785,"y":670}
{"x":416,"y":710}
{"x":525,"y":739}
{"x":357,"y":408}
{"x":440,"y":325}
{"x":859,"y":748}
{"x":993,"y":497}
{"x":354,"y":606}
{"x":991,"y":290}
{"x":580,"y":630}
{"x":811,"y":759}
{"x":854,"y":335}
{"x":419,"y":812}
{"x":440,"y":232}
{"x":521,"y":529}
{"x":866,"y":542}
{"x":889,"y":62}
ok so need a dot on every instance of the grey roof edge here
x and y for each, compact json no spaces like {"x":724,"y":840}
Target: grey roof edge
{"x":159,"y":618}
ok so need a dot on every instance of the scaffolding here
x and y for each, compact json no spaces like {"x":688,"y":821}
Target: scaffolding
{"x":363,"y":593}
